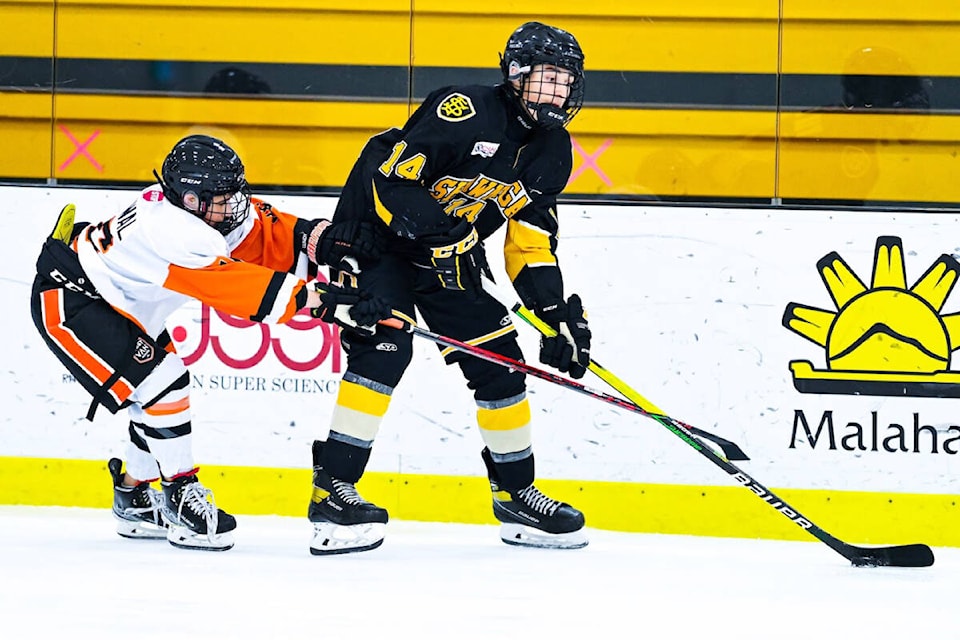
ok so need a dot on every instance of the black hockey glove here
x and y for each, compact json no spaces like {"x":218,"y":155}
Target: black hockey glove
{"x":458,"y":259}
{"x":350,"y":308}
{"x":342,"y":244}
{"x":569,"y":350}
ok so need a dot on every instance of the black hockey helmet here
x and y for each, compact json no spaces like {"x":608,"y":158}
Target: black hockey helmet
{"x":536,"y":43}
{"x":207,"y":168}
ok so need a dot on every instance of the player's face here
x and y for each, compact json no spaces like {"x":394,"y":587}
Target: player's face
{"x":547,"y":84}
{"x":221,"y":208}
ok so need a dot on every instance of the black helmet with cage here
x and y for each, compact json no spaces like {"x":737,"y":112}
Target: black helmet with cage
{"x":536,"y":43}
{"x":207,"y":168}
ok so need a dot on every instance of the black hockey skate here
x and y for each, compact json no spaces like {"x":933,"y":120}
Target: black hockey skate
{"x":136,"y":509}
{"x":343,"y":522}
{"x":193,"y":517}
{"x":530,"y":519}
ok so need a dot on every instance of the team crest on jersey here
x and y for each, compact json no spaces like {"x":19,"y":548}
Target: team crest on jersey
{"x":153,"y":195}
{"x":143,"y":351}
{"x":485,"y":149}
{"x":455,"y":108}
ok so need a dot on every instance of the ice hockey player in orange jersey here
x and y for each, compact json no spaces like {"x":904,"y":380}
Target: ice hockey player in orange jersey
{"x":104,"y":290}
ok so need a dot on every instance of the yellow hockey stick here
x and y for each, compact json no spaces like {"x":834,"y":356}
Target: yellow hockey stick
{"x":730,"y":449}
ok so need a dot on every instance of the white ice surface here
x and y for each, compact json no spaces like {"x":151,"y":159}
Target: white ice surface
{"x":64,"y":573}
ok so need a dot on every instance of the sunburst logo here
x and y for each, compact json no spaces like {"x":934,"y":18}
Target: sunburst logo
{"x":885,"y":340}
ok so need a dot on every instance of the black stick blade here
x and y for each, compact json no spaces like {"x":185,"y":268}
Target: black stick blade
{"x":909,"y":555}
{"x":731,"y":451}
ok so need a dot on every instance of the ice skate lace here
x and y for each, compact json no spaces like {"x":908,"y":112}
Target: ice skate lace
{"x":153,"y":506}
{"x":347,"y":492}
{"x":532,"y":497}
{"x":199,"y":500}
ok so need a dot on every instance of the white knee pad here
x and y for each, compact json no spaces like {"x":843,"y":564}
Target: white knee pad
{"x":170,"y":369}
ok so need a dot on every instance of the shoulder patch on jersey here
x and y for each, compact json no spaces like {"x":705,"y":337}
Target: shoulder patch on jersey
{"x":143,"y":351}
{"x":485,"y":149}
{"x":153,"y":195}
{"x":455,"y":108}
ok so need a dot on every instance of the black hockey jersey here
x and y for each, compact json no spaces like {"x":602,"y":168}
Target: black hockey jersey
{"x":469,"y":152}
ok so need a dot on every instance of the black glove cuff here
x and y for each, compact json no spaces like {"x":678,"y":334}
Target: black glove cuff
{"x":302,"y":230}
{"x":553,"y":313}
{"x":540,"y":288}
{"x":301,"y":297}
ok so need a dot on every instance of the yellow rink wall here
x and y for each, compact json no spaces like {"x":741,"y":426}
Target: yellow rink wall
{"x":739,"y":100}
{"x":744,"y":100}
{"x":724,"y":511}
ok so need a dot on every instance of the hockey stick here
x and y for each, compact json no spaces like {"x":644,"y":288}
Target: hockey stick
{"x":730,"y":449}
{"x":911,"y":555}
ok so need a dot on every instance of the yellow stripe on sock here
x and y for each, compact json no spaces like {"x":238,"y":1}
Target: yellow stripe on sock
{"x":505,"y":418}
{"x":359,"y":398}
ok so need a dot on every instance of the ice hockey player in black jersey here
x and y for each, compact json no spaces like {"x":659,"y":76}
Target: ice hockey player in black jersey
{"x":470,"y":159}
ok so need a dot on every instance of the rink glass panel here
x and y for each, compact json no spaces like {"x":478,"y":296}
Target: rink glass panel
{"x":869,"y":102}
{"x":705,"y":102}
{"x":26,"y":104}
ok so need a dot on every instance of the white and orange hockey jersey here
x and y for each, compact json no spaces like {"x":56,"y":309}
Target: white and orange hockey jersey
{"x":149,"y":260}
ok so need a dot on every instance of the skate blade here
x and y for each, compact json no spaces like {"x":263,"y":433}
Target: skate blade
{"x":519,"y":535}
{"x":139,"y":530}
{"x":330,"y":538}
{"x":184,"y":538}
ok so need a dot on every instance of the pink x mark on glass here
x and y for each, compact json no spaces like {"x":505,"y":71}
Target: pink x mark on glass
{"x":81,"y":148}
{"x":590,"y":161}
